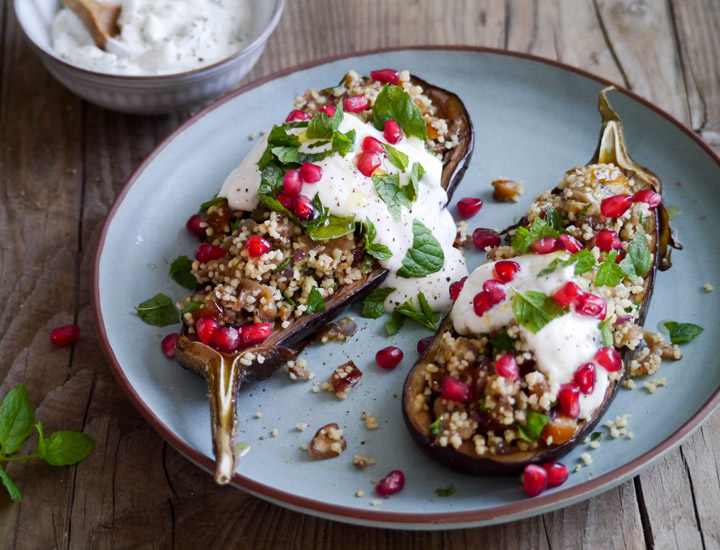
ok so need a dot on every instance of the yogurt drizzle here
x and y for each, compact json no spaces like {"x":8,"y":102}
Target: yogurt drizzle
{"x":347,"y":192}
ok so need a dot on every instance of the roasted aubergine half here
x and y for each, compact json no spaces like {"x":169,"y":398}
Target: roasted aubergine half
{"x":303,"y":227}
{"x":538,"y":340}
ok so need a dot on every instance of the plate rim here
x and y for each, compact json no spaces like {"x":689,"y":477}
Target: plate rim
{"x":378,"y":517}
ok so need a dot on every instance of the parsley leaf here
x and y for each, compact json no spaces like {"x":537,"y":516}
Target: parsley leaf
{"x":181,"y":272}
{"x":395,"y":103}
{"x":524,"y":237}
{"x":426,"y":316}
{"x":533,"y":426}
{"x":394,"y":323}
{"x":322,"y":126}
{"x":158,"y":311}
{"x":373,"y":305}
{"x":534,"y":310}
{"x":638,"y":260}
{"x":397,"y":158}
{"x":315,"y":302}
{"x":605,"y":334}
{"x":681,"y":333}
{"x":609,"y":273}
{"x":426,"y":255}
{"x":446,"y":491}
{"x":376,"y":250}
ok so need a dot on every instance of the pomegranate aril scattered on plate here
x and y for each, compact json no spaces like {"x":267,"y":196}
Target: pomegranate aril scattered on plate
{"x":570,"y":243}
{"x":355,"y":104}
{"x":591,"y":305}
{"x":207,"y":252}
{"x":329,"y":110}
{"x":482,"y":303}
{"x":64,"y":335}
{"x":168,"y":345}
{"x":372,"y":145}
{"x":423,"y":344}
{"x":557,"y":473}
{"x":609,"y":359}
{"x":386,"y":76}
{"x":205,"y":327}
{"x":453,"y":389}
{"x":292,"y":184}
{"x":310,"y":173}
{"x":505,"y":270}
{"x":389,"y":357}
{"x":392,"y":131}
{"x":225,"y":339}
{"x":469,"y":206}
{"x":257,"y":246}
{"x":608,"y":241}
{"x":535,"y":479}
{"x":507,"y":367}
{"x":544,"y":245}
{"x":584,"y":378}
{"x":495,"y":291}
{"x":649,"y":197}
{"x":367,"y":163}
{"x":456,"y":287}
{"x":616,"y":206}
{"x":567,"y":294}
{"x":297,"y":114}
{"x":287,"y":202}
{"x":390,"y":484}
{"x":194,"y":226}
{"x":252,"y":335}
{"x":569,"y":399}
{"x":303,"y":208}
{"x":482,"y":238}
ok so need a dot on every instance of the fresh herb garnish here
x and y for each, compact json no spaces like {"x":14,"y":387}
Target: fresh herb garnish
{"x":445,"y":491}
{"x":284,"y":264}
{"x":343,"y":143}
{"x":278,"y":137}
{"x":641,"y":218}
{"x":502,"y":342}
{"x":682,"y":333}
{"x":158,"y":311}
{"x":373,"y":305}
{"x":394,"y":323}
{"x":271,"y":180}
{"x":413,"y":188}
{"x":394,"y":196}
{"x":289,"y":300}
{"x":322,"y":126}
{"x":638,"y":260}
{"x":426,"y":316}
{"x":609,"y":273}
{"x":595,"y":436}
{"x":181,"y":272}
{"x":397,"y":158}
{"x":605,"y":334}
{"x":395,"y":103}
{"x":426,"y":255}
{"x":315,"y":302}
{"x":524,"y":237}
{"x":554,"y":218}
{"x":193,"y":305}
{"x":16,"y":425}
{"x":534,"y":310}
{"x":212,"y":202}
{"x":533,"y":426}
{"x":376,"y":250}
{"x":435,"y":426}
{"x":583,"y":260}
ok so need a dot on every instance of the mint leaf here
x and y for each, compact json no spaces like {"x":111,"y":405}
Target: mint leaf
{"x":534,"y":310}
{"x":395,"y":103}
{"x":181,"y":272}
{"x":394,"y":323}
{"x":609,"y":273}
{"x":286,"y":155}
{"x":9,"y":485}
{"x":278,"y":137}
{"x":66,"y":448}
{"x":331,"y":227}
{"x":445,"y":492}
{"x":583,"y":260}
{"x":379,"y":251}
{"x":315,"y":302}
{"x":524,"y":237}
{"x":426,"y":317}
{"x":388,"y":188}
{"x":533,"y":426}
{"x":16,"y":420}
{"x":193,"y":305}
{"x":271,"y":180}
{"x":682,"y":333}
{"x":158,"y":311}
{"x":413,"y":188}
{"x":271,"y":203}
{"x":322,"y":126}
{"x":502,"y":342}
{"x":212,"y":202}
{"x":605,"y":334}
{"x":638,"y":260}
{"x":397,"y":158}
{"x":555,"y":220}
{"x":435,"y":426}
{"x":426,"y":255}
{"x":343,"y":143}
{"x":374,"y":304}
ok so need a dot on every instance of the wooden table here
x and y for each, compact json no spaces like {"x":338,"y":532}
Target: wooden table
{"x":62,"y":161}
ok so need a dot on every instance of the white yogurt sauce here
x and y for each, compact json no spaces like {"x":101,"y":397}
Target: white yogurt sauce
{"x":347,"y":192}
{"x":561,"y":346}
{"x":157,"y":36}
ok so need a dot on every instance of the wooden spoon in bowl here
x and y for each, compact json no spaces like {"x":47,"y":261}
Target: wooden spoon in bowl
{"x":99,"y":18}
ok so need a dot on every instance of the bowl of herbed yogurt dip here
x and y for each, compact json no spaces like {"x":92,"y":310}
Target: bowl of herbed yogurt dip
{"x":170,"y":54}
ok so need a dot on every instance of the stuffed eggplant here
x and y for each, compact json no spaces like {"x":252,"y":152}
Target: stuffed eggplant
{"x":539,"y":337}
{"x":324,"y":209}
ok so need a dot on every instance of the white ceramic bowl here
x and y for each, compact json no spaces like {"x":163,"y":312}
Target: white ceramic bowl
{"x":147,"y":94}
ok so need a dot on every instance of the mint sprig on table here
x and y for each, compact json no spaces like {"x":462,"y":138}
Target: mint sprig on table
{"x":17,"y":420}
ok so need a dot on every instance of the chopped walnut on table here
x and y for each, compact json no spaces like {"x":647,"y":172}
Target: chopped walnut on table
{"x":296,"y":369}
{"x":328,"y":442}
{"x":362,"y":462}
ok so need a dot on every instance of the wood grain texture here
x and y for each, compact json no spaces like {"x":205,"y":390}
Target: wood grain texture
{"x":62,"y":163}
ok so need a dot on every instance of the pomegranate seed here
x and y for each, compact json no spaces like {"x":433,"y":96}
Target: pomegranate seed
{"x":390,"y":484}
{"x":386,"y":76}
{"x":483,"y":238}
{"x":297,"y":114}
{"x":591,"y":305}
{"x":168,"y":345}
{"x":329,"y":110}
{"x":469,"y":206}
{"x":423,"y":344}
{"x":544,"y":245}
{"x":389,"y":357}
{"x":649,"y":197}
{"x":614,"y":207}
{"x":567,"y":294}
{"x":194,"y":227}
{"x":481,"y":303}
{"x":205,"y":328}
{"x":368,"y":162}
{"x":505,"y":270}
{"x":453,"y":389}
{"x":570,"y":243}
{"x":535,"y":479}
{"x":620,"y":257}
{"x":372,"y":145}
{"x":64,"y":335}
{"x":252,"y":335}
{"x":495,"y":291}
{"x":355,"y":104}
{"x":607,"y":241}
{"x":287,"y":202}
{"x":292,"y":184}
{"x":557,"y":473}
{"x":310,"y":173}
{"x":257,"y":246}
{"x":392,"y":131}
{"x":303,"y":208}
{"x":569,"y":399}
{"x":609,"y":359}
{"x":507,"y":367}
{"x":207,"y":252}
{"x":225,"y":339}
{"x":584,"y":378}
{"x":456,"y":287}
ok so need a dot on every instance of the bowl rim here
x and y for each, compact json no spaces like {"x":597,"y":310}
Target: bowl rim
{"x":257,"y":42}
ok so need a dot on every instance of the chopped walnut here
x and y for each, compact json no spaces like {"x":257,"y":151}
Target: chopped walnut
{"x":371,"y":422}
{"x":507,"y":190}
{"x":362,"y":462}
{"x":296,"y":369}
{"x":328,"y":442}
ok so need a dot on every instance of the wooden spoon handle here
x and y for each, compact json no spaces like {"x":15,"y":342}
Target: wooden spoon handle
{"x":99,"y":18}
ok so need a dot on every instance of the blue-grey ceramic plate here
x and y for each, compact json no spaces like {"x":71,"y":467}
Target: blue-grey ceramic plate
{"x":533,"y":121}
